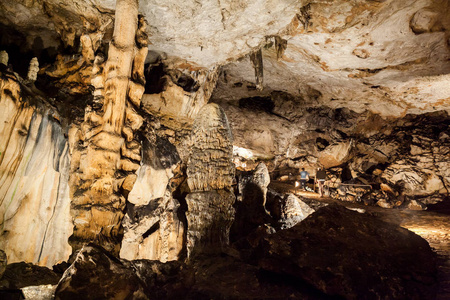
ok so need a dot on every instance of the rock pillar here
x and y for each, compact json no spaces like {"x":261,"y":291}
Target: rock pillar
{"x":105,"y":153}
{"x":210,"y":174}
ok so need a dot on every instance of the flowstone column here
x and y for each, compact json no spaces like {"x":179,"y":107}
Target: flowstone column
{"x":210,"y":174}
{"x":105,"y":153}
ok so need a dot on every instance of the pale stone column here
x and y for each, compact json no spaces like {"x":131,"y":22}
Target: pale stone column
{"x":105,"y":151}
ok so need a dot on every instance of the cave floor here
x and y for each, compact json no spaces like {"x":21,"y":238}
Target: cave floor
{"x":433,"y":226}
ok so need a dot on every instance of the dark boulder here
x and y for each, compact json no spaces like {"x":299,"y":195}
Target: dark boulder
{"x":356,"y":256}
{"x":96,"y":274}
{"x":19,"y":275}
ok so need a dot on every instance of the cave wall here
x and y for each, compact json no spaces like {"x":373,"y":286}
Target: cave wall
{"x":412,"y":160}
{"x":34,"y":191}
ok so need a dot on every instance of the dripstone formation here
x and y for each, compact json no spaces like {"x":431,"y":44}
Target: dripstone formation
{"x":210,"y":174}
{"x":105,"y":151}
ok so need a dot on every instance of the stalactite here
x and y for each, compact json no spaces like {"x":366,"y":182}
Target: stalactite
{"x":103,"y":160}
{"x":256,"y":58}
{"x":280,"y":46}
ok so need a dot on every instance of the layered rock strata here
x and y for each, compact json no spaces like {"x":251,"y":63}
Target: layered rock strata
{"x":210,"y":174}
{"x":104,"y":149}
{"x":34,"y":169}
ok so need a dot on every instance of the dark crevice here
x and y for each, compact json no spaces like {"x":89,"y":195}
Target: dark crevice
{"x":151,"y":230}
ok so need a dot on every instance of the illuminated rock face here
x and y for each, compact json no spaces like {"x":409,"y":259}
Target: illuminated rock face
{"x":34,"y":192}
{"x":105,"y":150}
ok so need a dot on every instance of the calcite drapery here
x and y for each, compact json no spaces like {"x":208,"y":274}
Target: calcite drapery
{"x":34,"y":168}
{"x":105,"y":151}
{"x":210,"y":175}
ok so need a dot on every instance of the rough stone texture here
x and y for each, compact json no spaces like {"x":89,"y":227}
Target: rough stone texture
{"x":209,"y":166}
{"x":105,"y":148}
{"x":293,"y":211}
{"x":356,"y":256}
{"x":34,"y":191}
{"x":210,"y":174}
{"x":40,"y":292}
{"x":96,"y":274}
{"x":335,"y":155}
{"x":207,"y":277}
{"x":154,"y":226}
{"x":387,"y":57}
{"x":180,"y":98}
{"x":153,"y":231}
{"x":209,"y":217}
{"x":3,"y":262}
{"x":19,"y":275}
{"x":366,"y":149}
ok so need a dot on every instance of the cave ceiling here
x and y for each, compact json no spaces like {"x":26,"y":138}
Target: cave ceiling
{"x":390,"y":57}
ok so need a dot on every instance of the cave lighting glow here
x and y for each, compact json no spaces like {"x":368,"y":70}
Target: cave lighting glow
{"x":242,"y":152}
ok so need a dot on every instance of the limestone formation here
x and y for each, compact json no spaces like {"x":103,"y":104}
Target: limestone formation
{"x":257,"y":61}
{"x":209,"y":167}
{"x":293,"y":211}
{"x":33,"y":70}
{"x":34,"y":191}
{"x":153,"y":231}
{"x":105,"y":150}
{"x":107,"y":277}
{"x":184,"y":91}
{"x":4,"y":57}
{"x":210,"y":174}
{"x":251,"y":210}
{"x":336,"y":154}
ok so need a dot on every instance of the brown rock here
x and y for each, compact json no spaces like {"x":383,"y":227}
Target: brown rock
{"x":352,"y":255}
{"x":96,"y":274}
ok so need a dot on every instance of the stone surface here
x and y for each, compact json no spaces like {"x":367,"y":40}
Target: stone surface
{"x":335,"y":155}
{"x":293,"y":211}
{"x":210,"y":173}
{"x":210,"y":163}
{"x":251,"y":211}
{"x":96,"y":274}
{"x":352,"y":255}
{"x":20,"y":275}
{"x":362,"y":55}
{"x":102,"y":145}
{"x":153,"y":231}
{"x":34,"y":191}
{"x":40,"y":292}
{"x":209,"y":218}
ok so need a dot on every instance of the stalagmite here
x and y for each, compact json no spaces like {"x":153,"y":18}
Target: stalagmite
{"x":210,"y":175}
{"x":103,"y":158}
{"x":257,"y":61}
